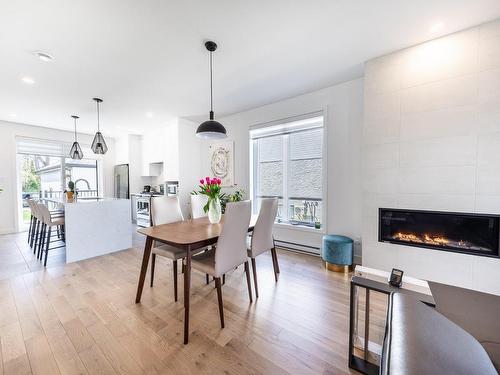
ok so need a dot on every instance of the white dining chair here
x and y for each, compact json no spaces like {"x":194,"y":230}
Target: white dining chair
{"x":262,"y":237}
{"x":165,"y":210}
{"x":230,"y":251}
{"x":198,"y":201}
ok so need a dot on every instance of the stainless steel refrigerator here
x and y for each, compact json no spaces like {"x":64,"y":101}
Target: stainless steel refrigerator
{"x":122,"y":186}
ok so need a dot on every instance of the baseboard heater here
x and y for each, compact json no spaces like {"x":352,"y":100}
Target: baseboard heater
{"x":313,"y":250}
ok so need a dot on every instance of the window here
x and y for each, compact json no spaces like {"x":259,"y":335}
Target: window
{"x":287,"y":163}
{"x":44,"y":171}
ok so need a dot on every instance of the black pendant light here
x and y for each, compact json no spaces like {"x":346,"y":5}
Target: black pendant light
{"x":99,"y":144}
{"x":76,"y":150}
{"x":211,"y":129}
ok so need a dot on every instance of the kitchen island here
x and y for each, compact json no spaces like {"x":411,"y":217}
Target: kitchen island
{"x":95,"y":226}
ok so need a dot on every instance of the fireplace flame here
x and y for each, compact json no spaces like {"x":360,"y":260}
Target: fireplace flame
{"x":425,"y":239}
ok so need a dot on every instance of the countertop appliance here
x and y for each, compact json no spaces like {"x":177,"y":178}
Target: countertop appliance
{"x":172,"y":188}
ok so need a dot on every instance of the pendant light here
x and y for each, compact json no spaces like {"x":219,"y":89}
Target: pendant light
{"x":99,"y":144}
{"x":76,"y":150}
{"x":211,"y":129}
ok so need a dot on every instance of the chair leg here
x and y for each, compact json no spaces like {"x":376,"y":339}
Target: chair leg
{"x":207,"y":279}
{"x":41,"y":242}
{"x":29,"y":230}
{"x":183,"y":267}
{"x":224,"y":279}
{"x":153,"y":262}
{"x":47,"y":247}
{"x":247,"y":272}
{"x":219,"y":297}
{"x":275,"y":264}
{"x":254,"y":269}
{"x":175,"y":279}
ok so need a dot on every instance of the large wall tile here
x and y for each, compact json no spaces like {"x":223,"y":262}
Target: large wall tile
{"x":486,"y":275}
{"x":381,"y":131}
{"x":373,"y":201}
{"x":488,"y":180}
{"x":489,"y":52}
{"x":447,"y":122}
{"x":381,"y":156}
{"x":437,"y":202}
{"x":442,"y":58}
{"x":381,"y":181}
{"x":489,"y":84}
{"x":450,"y":151}
{"x":488,"y":118}
{"x":488,"y":204}
{"x":488,"y":149}
{"x":380,"y":106}
{"x":437,"y":180}
{"x":440,"y":95}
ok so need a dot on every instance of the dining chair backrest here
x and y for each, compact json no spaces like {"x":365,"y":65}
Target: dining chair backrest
{"x":30,"y":205}
{"x":262,"y":236}
{"x":198,"y":201}
{"x":165,"y":210}
{"x":231,"y":250}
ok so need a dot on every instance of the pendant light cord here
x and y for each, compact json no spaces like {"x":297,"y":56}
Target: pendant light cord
{"x":98,"y":125}
{"x":211,"y":90}
{"x":75,"y":128}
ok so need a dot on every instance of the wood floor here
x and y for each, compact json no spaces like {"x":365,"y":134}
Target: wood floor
{"x":81,"y":318}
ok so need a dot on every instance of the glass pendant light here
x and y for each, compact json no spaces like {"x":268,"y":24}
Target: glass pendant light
{"x":99,"y":144}
{"x":76,"y":150}
{"x":211,"y":129}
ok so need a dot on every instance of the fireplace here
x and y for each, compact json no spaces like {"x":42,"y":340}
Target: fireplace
{"x":476,"y":234}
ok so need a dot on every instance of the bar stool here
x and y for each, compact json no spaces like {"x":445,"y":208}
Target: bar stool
{"x":48,"y":221}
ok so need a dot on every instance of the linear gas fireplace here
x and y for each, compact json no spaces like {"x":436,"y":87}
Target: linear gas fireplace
{"x":475,"y":234}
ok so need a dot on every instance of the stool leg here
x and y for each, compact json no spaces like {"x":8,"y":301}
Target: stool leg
{"x":47,"y":248}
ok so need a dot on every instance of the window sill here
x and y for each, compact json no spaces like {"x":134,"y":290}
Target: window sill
{"x":301,"y":228}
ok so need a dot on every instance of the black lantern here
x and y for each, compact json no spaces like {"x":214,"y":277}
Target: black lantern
{"x":211,"y":129}
{"x":76,"y":150}
{"x":99,"y":144}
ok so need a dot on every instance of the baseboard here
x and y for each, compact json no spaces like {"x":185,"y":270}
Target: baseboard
{"x":296,"y":247}
{"x":8,"y":231}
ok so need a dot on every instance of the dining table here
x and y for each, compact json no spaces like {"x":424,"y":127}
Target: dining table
{"x":188,"y":235}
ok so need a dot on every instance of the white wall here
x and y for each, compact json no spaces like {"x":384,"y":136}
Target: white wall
{"x":8,"y":169}
{"x":432,"y":141}
{"x":343,"y":106}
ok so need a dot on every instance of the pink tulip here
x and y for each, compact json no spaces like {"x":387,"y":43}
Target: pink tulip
{"x":219,"y":181}
{"x":208,"y":190}
{"x":202,"y":181}
{"x":207,"y":179}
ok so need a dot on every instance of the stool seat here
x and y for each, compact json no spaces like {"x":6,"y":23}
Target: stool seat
{"x":337,"y":252}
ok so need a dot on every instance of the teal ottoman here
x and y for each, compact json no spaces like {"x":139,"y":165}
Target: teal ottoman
{"x":337,"y":253}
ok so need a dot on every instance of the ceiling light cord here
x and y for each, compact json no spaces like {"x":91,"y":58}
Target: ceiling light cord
{"x":98,"y":125}
{"x":75,"y":127}
{"x":211,"y":90}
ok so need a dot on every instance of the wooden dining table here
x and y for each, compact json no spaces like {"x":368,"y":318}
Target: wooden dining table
{"x":188,"y":235}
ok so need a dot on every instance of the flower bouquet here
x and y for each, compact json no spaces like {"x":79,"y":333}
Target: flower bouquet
{"x":212,"y":189}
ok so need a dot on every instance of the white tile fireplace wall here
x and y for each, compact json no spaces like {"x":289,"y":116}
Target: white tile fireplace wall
{"x":432,"y":141}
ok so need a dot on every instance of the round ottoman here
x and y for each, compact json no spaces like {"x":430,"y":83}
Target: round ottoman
{"x":337,"y":253}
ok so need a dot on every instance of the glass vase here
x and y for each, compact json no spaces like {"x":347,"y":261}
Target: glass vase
{"x":214,"y":211}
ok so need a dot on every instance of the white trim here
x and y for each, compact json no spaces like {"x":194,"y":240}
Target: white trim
{"x":301,"y":228}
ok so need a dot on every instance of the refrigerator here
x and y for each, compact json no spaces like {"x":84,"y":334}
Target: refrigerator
{"x":122,"y":189}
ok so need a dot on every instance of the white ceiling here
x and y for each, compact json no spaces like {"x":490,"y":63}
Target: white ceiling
{"x":148,"y":56}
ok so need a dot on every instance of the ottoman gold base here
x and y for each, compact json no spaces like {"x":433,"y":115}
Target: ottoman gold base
{"x":337,"y":268}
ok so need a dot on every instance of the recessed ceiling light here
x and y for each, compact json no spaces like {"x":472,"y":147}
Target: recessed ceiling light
{"x":28,"y":80}
{"x":436,"y":27}
{"x":149,"y":114}
{"x":44,"y":56}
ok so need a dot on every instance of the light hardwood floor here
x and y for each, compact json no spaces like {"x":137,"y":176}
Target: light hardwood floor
{"x":81,"y":318}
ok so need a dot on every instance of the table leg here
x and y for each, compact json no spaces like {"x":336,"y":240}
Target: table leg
{"x":144,"y":268}
{"x":367,"y":324}
{"x":187,"y":285}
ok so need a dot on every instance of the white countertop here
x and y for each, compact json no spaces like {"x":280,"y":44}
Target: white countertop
{"x":64,"y":201}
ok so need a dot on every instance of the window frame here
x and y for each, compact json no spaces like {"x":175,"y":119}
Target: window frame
{"x":254,"y":175}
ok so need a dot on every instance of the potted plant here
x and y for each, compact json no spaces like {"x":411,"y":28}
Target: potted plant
{"x":71,"y":190}
{"x":212,"y":189}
